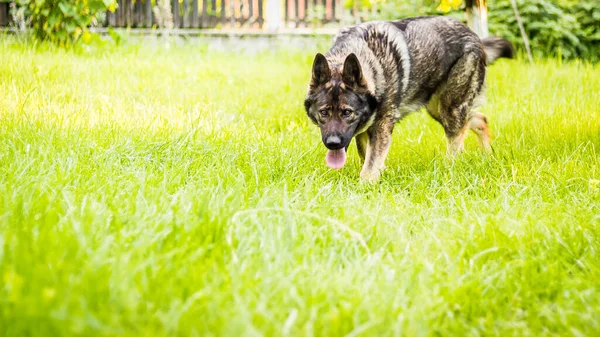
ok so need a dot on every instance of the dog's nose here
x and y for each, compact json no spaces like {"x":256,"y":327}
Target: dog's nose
{"x":333,"y":142}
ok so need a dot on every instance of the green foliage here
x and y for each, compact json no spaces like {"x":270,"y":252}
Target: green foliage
{"x":63,"y":21}
{"x":587,"y":13}
{"x":394,"y":10}
{"x":563,"y":29}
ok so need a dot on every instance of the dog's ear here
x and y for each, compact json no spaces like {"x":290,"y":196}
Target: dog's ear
{"x":321,"y":73}
{"x":352,"y":73}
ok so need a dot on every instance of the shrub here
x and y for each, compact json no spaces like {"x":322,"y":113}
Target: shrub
{"x":63,"y":21}
{"x":587,"y":13}
{"x":564,"y":29}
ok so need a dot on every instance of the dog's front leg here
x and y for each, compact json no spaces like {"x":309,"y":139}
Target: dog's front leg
{"x":379,"y":142}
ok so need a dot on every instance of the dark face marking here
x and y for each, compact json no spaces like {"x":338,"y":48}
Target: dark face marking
{"x":341,"y":105}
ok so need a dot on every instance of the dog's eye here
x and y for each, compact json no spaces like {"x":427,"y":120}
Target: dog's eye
{"x":346,"y":113}
{"x":324,"y":112}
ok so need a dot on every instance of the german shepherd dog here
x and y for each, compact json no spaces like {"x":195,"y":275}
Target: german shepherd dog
{"x":378,"y":72}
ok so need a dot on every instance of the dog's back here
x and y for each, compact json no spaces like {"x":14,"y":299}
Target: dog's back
{"x":410,"y":59}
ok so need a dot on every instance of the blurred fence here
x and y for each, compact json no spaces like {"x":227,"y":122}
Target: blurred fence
{"x":218,"y":13}
{"x":5,"y":18}
{"x":190,"y":14}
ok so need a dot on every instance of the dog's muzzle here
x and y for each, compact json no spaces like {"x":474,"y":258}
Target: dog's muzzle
{"x":335,"y":142}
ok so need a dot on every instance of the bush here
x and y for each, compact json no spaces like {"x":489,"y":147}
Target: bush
{"x":63,"y":21}
{"x":562,"y":29}
{"x":587,"y":13}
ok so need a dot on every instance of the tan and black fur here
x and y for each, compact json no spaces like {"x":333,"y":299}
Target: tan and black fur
{"x":378,"y":72}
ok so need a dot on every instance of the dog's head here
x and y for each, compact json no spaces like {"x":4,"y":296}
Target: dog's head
{"x":340,"y":103}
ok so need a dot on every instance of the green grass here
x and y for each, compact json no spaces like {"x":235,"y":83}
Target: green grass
{"x":181,"y":192}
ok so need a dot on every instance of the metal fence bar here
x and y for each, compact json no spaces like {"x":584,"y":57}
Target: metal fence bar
{"x":232,"y":14}
{"x":111,"y":19}
{"x":297,"y":13}
{"x":223,"y":17}
{"x":305,"y":12}
{"x":175,"y":8}
{"x":132,"y":13}
{"x":128,"y":17}
{"x":4,"y":14}
{"x":148,"y":16}
{"x":122,"y":14}
{"x":138,"y":14}
{"x":118,"y":16}
{"x":213,"y":13}
{"x":186,"y":14}
{"x":204,"y":14}
{"x":195,"y":20}
{"x":261,"y":19}
{"x":124,"y":18}
{"x":333,"y":19}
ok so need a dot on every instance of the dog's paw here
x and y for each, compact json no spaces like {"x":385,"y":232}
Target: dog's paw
{"x":370,"y":177}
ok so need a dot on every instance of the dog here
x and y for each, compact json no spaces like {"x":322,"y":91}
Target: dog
{"x":378,"y":72}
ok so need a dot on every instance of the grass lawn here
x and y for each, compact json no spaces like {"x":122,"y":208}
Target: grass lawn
{"x":182,"y":192}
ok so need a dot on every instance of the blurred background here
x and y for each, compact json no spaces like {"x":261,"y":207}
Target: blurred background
{"x":553,"y":28}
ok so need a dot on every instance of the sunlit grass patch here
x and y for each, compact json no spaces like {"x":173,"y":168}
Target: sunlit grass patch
{"x":181,"y":192}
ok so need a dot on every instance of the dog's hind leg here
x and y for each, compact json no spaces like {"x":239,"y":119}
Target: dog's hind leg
{"x":456,"y":143}
{"x":464,"y":84}
{"x":479,"y":125}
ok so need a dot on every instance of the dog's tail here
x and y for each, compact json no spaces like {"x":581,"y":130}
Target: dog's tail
{"x":496,"y":48}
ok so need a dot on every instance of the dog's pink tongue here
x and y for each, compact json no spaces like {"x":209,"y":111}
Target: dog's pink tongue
{"x":336,"y":158}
